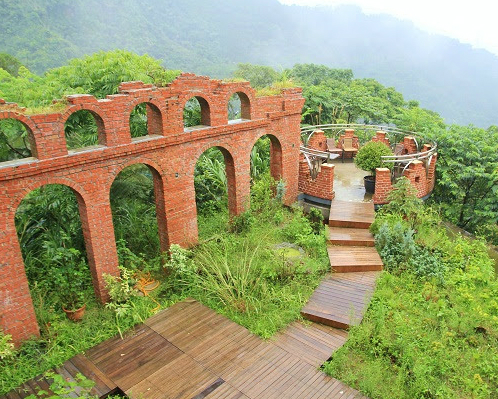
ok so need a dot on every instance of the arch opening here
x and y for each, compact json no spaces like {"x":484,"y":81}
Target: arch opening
{"x":16,"y":140}
{"x":50,"y":235}
{"x":196,"y":113}
{"x":84,"y":128}
{"x":239,"y":108}
{"x":145,"y":119}
{"x":214,"y":182}
{"x":266,"y":158}
{"x":137,"y":226}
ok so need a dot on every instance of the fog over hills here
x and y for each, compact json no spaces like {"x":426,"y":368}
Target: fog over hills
{"x":212,"y":36}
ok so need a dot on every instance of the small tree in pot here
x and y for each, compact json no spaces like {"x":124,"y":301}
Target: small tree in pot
{"x":369,"y":158}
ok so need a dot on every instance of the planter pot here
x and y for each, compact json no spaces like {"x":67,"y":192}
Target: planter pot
{"x":369,"y":182}
{"x":75,"y":315}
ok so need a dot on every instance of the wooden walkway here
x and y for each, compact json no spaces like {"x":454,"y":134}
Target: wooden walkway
{"x":342,"y":298}
{"x":189,"y":351}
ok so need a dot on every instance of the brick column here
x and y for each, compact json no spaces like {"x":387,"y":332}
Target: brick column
{"x":410,"y":145}
{"x":318,"y":141}
{"x":322,"y":186}
{"x":100,"y":242}
{"x":17,"y":315}
{"x":383,"y":185}
{"x":381,"y":137}
{"x":416,"y":173}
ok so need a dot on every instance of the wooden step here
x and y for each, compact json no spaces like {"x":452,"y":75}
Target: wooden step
{"x":341,"y":299}
{"x":351,"y":214}
{"x":350,"y":237}
{"x":353,"y":259}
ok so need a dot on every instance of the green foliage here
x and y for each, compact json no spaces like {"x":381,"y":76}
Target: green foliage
{"x":14,"y":141}
{"x":260,"y":158}
{"x":6,"y":346}
{"x":369,"y":156}
{"x":134,"y":211}
{"x":431,"y":327}
{"x":120,"y":288}
{"x":81,"y":130}
{"x":10,"y":64}
{"x":63,"y":388}
{"x":489,"y":232}
{"x":99,"y":74}
{"x":315,"y":217}
{"x":211,"y":190}
{"x":192,"y":113}
{"x":258,"y":75}
{"x":467,"y":176}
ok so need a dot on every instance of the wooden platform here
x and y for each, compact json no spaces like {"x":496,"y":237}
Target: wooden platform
{"x":350,"y":236}
{"x":312,"y":342}
{"x":344,"y":259}
{"x":351,"y":214}
{"x":69,"y":370}
{"x":188,"y":351}
{"x":341,"y":299}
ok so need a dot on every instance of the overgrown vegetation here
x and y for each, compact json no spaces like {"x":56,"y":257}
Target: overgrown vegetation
{"x":431,"y":329}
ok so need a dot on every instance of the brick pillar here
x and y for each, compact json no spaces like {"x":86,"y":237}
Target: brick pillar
{"x":100,"y":242}
{"x":349,"y":133}
{"x":383,"y":185}
{"x":318,"y":141}
{"x":431,"y":173}
{"x":159,"y":199}
{"x":239,"y":184}
{"x":290,"y":156}
{"x":410,"y":145}
{"x":17,"y":315}
{"x":381,"y":137}
{"x":178,"y":192}
{"x":416,"y":173}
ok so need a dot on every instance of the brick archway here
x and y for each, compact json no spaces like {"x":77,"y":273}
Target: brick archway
{"x":172,"y":155}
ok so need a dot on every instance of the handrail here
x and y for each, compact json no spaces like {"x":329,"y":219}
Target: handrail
{"x":402,"y":161}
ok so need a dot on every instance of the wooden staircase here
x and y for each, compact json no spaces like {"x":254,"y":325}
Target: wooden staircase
{"x":342,"y":298}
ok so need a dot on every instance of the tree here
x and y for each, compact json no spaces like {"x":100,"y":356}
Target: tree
{"x":467,"y":176}
{"x":10,"y":64}
{"x":258,"y":75}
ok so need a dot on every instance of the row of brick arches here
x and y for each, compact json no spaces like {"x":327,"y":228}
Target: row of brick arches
{"x":170,"y":151}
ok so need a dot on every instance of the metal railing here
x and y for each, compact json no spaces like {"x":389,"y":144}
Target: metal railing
{"x":366,"y":133}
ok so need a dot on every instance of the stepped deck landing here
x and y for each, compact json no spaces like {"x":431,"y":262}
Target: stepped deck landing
{"x":345,"y":259}
{"x":350,"y":236}
{"x":341,"y":299}
{"x":351,"y":214}
{"x":189,"y":351}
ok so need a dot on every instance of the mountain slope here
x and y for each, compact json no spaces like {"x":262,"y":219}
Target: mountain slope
{"x":212,"y":36}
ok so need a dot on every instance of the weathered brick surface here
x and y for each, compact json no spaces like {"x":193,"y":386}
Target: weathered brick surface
{"x":322,"y":186}
{"x":420,"y":173}
{"x":170,"y":151}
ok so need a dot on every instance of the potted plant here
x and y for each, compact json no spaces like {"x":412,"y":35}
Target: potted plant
{"x":369,"y":158}
{"x":71,"y":279}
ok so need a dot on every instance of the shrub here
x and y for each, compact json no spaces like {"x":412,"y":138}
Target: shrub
{"x":369,"y":156}
{"x":6,"y":346}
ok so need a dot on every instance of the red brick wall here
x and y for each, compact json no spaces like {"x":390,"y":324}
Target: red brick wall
{"x":322,"y":186}
{"x":421,"y":175}
{"x":170,"y":151}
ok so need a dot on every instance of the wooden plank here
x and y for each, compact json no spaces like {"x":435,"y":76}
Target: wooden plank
{"x":351,"y":214}
{"x":345,"y":259}
{"x":340,"y":301}
{"x":350,"y":237}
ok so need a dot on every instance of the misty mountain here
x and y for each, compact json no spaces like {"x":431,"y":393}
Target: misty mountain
{"x":212,"y":36}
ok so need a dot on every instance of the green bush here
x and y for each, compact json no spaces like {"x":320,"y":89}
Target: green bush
{"x":369,"y":156}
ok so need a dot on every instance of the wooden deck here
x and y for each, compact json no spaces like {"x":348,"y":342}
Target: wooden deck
{"x":351,"y":214}
{"x":344,"y":259}
{"x":350,"y":236}
{"x":342,"y":298}
{"x":189,"y":351}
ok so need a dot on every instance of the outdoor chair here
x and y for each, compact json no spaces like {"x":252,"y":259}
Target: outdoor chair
{"x":331,"y":147}
{"x":347,"y":147}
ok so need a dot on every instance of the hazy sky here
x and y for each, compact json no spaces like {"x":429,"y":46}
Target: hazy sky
{"x":474,"y":22}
